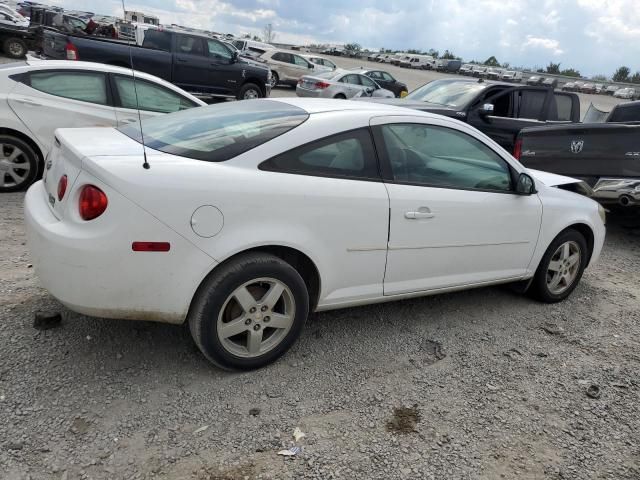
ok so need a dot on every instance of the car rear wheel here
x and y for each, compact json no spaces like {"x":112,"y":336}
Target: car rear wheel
{"x":249,"y":312}
{"x":340,"y":96}
{"x":274,"y":79}
{"x":15,"y":47}
{"x":18,"y":164}
{"x":561,"y":267}
{"x":249,"y":91}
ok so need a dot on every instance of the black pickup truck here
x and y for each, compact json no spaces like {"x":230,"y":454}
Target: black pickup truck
{"x":500,"y":110}
{"x":196,"y":63}
{"x":606,"y":155}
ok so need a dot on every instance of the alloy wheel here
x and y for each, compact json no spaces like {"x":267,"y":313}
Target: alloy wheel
{"x":14,"y":166}
{"x":564,"y":267}
{"x":251,"y":94}
{"x":256,"y":317}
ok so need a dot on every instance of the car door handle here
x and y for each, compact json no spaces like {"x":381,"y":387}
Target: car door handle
{"x":423,"y":212}
{"x":24,"y":101}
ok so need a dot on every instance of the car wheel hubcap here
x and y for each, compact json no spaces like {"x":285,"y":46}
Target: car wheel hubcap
{"x":274,"y":80}
{"x":14,"y":166}
{"x":563,"y":267}
{"x":251,"y":94}
{"x":15,"y":49}
{"x":256,"y":317}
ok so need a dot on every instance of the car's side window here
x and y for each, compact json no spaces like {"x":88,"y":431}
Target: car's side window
{"x":531,"y":103}
{"x":150,"y":97}
{"x":375,"y":75}
{"x":84,"y":86}
{"x":283,"y":57}
{"x":443,"y":157}
{"x":190,"y":45}
{"x":346,"y":155}
{"x":387,"y":77}
{"x":366,"y":81}
{"x":351,"y":78}
{"x":301,"y":62}
{"x":217,"y":49}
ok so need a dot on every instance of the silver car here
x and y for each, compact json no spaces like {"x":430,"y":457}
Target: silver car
{"x":288,"y":66}
{"x":340,"y":84}
{"x":323,"y":62}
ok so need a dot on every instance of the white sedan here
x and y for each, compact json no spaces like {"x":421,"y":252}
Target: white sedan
{"x":36,"y":97}
{"x":250,"y":215}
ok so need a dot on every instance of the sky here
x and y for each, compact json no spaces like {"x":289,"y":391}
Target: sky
{"x":593,"y":36}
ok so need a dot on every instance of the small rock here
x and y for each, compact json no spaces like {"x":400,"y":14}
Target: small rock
{"x":254,"y":412}
{"x":593,"y":391}
{"x":14,"y":445}
{"x":552,"y":328}
{"x":43,"y":321}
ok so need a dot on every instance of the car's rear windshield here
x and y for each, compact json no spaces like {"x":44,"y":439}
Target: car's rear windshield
{"x":218,"y":132}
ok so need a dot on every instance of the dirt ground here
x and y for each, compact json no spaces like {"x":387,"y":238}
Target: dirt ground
{"x":482,"y":384}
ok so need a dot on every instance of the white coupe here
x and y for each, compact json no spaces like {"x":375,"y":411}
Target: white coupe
{"x":243,"y":217}
{"x":37,"y":96}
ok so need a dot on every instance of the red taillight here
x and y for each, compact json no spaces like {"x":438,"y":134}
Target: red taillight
{"x":62,"y":187}
{"x":322,"y":85}
{"x":93,"y":202}
{"x":517,"y":149}
{"x":72,"y":51}
{"x":150,"y":246}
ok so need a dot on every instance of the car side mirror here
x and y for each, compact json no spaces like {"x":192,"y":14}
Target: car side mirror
{"x":486,"y":109}
{"x":234,"y":56}
{"x":525,"y":185}
{"x":310,"y":65}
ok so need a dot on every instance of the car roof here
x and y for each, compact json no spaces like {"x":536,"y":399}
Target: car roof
{"x":322,"y":105}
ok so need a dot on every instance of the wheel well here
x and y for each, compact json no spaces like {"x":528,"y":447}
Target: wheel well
{"x":587,"y":233}
{"x":258,"y":83}
{"x":298,"y":260}
{"x":26,"y":139}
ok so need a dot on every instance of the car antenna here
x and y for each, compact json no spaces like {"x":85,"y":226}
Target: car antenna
{"x":145,"y":164}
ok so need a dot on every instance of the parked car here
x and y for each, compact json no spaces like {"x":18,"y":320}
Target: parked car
{"x":341,"y":84}
{"x":535,"y":80}
{"x":588,"y":88}
{"x":569,"y":87}
{"x":395,"y":59}
{"x":448,"y":65}
{"x":326,"y":205}
{"x":605,"y":155}
{"x":196,"y":63}
{"x":15,"y":36}
{"x":40,"y":96}
{"x":373,"y":57}
{"x":479,"y":70}
{"x":550,"y":82}
{"x":387,"y":81}
{"x":611,"y":89}
{"x":323,"y":62}
{"x":421,"y":62}
{"x":466,"y":69}
{"x":626,"y":93}
{"x":600,"y":88}
{"x":512,"y":76}
{"x":11,"y":18}
{"x":251,"y":47}
{"x":287,"y":67}
{"x":493,"y":73}
{"x":499,"y":110}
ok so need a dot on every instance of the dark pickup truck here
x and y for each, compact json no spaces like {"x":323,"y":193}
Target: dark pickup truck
{"x":606,"y":155}
{"x":500,"y":110}
{"x":196,"y":63}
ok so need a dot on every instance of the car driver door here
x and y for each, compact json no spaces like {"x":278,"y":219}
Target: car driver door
{"x":455,"y":219}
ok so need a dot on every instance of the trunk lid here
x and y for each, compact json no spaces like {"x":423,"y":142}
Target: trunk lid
{"x":71,"y":147}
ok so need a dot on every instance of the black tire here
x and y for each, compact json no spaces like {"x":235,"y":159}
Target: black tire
{"x":275,"y":79}
{"x":215,"y":293}
{"x":14,"y":47}
{"x":539,"y":286}
{"x":340,"y":96}
{"x":28,"y":158}
{"x":249,"y":91}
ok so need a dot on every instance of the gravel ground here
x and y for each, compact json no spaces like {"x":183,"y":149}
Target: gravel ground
{"x":482,"y":384}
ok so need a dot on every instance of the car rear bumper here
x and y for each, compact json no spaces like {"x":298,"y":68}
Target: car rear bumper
{"x":305,"y":92}
{"x":90,"y":266}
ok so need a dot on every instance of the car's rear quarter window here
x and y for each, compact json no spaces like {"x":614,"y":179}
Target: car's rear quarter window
{"x":218,"y":132}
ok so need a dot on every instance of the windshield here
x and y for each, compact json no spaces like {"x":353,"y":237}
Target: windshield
{"x":218,"y":132}
{"x":447,"y":92}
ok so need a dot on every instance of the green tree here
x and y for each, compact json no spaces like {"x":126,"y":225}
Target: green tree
{"x":433,"y":53}
{"x":414,"y":51}
{"x":599,"y":78}
{"x":506,"y":65}
{"x":447,"y":55}
{"x":492,"y":62}
{"x":621,"y":74}
{"x":570,"y":72}
{"x":553,"y":68}
{"x":268,"y":33}
{"x":635,"y":78}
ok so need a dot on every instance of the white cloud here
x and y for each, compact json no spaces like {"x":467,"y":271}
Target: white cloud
{"x":546,"y":43}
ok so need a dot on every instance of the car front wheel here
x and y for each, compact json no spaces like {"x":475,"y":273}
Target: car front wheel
{"x":561,"y":267}
{"x":249,"y":312}
{"x":249,"y":91}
